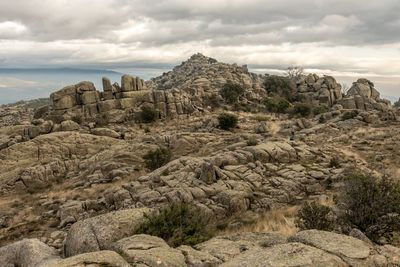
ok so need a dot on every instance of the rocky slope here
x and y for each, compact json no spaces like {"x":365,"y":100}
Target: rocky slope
{"x":73,"y":180}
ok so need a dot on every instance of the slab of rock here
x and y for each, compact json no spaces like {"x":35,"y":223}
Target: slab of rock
{"x":105,"y":132}
{"x":196,"y":258}
{"x":69,"y":125}
{"x":95,"y":259}
{"x":100,"y":232}
{"x":285,"y":255}
{"x":340,"y":245}
{"x":149,"y":250}
{"x":26,"y":253}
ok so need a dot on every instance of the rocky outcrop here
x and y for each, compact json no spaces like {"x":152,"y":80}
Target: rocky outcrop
{"x":317,"y":91}
{"x":183,"y":90}
{"x":306,"y":248}
{"x":363,"y":95}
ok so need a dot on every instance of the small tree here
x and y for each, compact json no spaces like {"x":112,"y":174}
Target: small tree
{"x":179,"y":224}
{"x":294,"y":72}
{"x":227,"y":121}
{"x":231,"y":92}
{"x":366,"y":202}
{"x":157,"y":158}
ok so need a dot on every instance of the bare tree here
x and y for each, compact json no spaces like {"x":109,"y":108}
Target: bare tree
{"x":345,"y":88}
{"x":294,"y":72}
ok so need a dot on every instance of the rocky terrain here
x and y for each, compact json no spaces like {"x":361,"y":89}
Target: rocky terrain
{"x":74,"y":185}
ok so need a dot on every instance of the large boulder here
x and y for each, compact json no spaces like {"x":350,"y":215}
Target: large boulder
{"x":348,"y":248}
{"x":26,"y":253}
{"x":150,"y":251}
{"x":292,"y":254}
{"x":100,"y":232}
{"x":95,"y":259}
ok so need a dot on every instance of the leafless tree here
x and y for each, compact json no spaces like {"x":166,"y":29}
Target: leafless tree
{"x":294,"y":72}
{"x":345,"y":88}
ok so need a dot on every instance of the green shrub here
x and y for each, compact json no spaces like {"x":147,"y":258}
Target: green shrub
{"x":280,"y":86}
{"x":321,"y":119}
{"x":157,"y":158}
{"x":320,"y":110}
{"x":350,"y":115}
{"x":179,"y":224}
{"x":276,"y":105}
{"x":148,"y":114}
{"x":302,"y":109}
{"x":315,"y":216}
{"x":231,"y":92}
{"x":252,"y":141}
{"x":367,"y":204}
{"x":334,"y":163}
{"x":227,"y":121}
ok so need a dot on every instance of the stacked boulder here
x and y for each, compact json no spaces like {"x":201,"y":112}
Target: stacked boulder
{"x":363,"y":95}
{"x":85,"y":101}
{"x":317,"y":91}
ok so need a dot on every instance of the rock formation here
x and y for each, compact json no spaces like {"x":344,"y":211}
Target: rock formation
{"x":316,"y":91}
{"x":363,"y":95}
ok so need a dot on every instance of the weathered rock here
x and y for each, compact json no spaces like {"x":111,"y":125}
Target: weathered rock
{"x":69,"y":125}
{"x":95,"y":259}
{"x":196,"y":258}
{"x":105,"y":132}
{"x":98,"y":233}
{"x":26,"y":253}
{"x":149,"y":250}
{"x":345,"y":247}
{"x":292,"y":254}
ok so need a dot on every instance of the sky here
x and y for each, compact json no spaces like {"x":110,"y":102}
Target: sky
{"x":347,"y":39}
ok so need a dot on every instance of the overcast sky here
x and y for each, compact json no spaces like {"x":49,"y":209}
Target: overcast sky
{"x":347,"y":38}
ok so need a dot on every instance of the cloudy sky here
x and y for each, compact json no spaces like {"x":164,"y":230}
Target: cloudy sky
{"x":346,"y":38}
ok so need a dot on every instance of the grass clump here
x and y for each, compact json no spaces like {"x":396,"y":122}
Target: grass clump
{"x":231,"y":92}
{"x":179,"y":224}
{"x":157,"y":158}
{"x":227,"y":121}
{"x":334,"y":163}
{"x":252,"y":141}
{"x":320,"y":110}
{"x":313,"y":215}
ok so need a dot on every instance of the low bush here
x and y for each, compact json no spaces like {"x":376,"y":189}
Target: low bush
{"x":320,"y":110}
{"x":301,"y":109}
{"x":350,"y":115}
{"x":370,"y":204}
{"x":276,"y":105}
{"x":179,"y":224}
{"x":147,"y":114}
{"x":227,"y":121}
{"x":157,"y":158}
{"x":231,"y":92}
{"x":313,"y":215}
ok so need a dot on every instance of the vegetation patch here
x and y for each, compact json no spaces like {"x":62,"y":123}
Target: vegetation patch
{"x":313,"y":215}
{"x":227,"y":121}
{"x":231,"y":92}
{"x":147,"y":114}
{"x":179,"y":224}
{"x":157,"y":158}
{"x":350,"y":115}
{"x":276,"y":105}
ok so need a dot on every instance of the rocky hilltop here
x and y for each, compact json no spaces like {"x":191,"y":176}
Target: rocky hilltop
{"x":74,"y":184}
